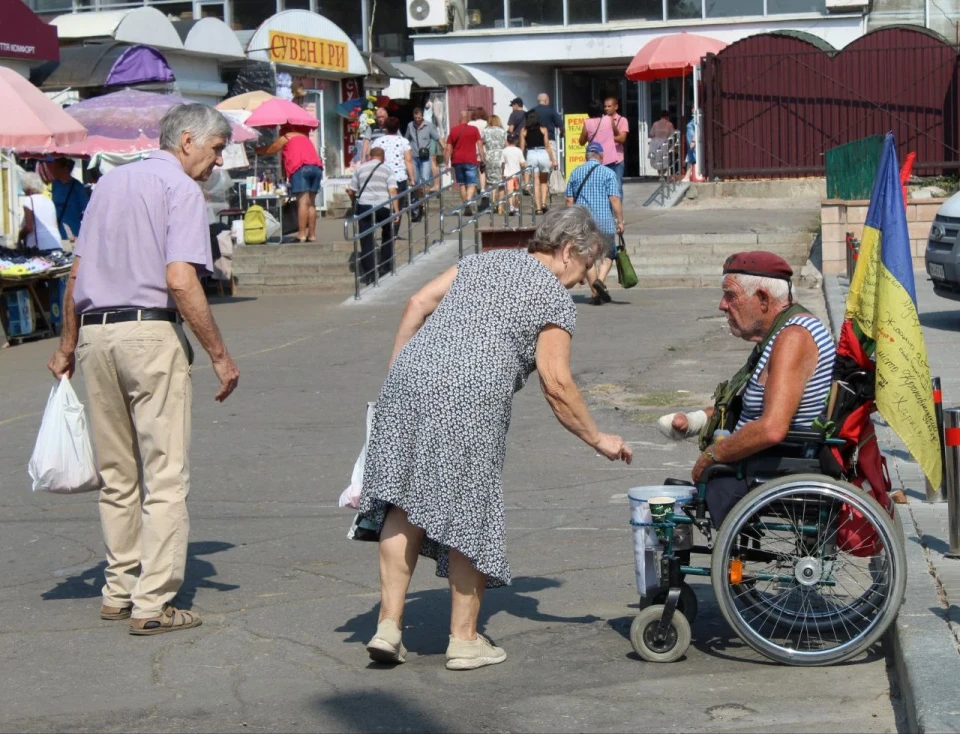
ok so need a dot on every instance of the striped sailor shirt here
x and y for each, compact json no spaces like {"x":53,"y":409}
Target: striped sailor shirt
{"x":817,"y":387}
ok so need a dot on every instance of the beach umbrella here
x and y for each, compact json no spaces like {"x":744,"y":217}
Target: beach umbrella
{"x":128,"y":122}
{"x":249,"y":101}
{"x":281,"y":112}
{"x":30,"y":120}
{"x":671,"y":55}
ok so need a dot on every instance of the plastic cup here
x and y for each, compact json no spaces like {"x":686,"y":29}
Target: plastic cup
{"x":661,"y":508}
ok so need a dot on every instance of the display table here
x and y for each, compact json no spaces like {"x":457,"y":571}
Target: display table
{"x":275,"y":201}
{"x":46,"y":319}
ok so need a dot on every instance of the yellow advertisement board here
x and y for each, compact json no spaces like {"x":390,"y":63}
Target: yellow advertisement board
{"x":317,"y":53}
{"x":574,"y":153}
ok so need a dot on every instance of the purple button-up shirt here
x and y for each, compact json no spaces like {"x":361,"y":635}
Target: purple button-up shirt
{"x":141,"y":217}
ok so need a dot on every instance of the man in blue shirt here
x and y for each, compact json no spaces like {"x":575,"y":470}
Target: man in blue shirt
{"x":596,"y":187}
{"x":69,"y":198}
{"x":550,"y":119}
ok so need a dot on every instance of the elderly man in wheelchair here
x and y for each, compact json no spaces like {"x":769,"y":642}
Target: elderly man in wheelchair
{"x":807,"y":562}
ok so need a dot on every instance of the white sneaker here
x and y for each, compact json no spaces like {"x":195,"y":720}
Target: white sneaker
{"x":472,"y":654}
{"x":386,"y":647}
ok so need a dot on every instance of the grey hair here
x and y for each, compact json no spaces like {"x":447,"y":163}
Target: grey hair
{"x":777,"y":288}
{"x":201,"y":121}
{"x":572,"y":225}
{"x":31,"y":182}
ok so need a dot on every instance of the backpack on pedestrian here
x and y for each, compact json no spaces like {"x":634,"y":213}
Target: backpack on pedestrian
{"x":254,"y":225}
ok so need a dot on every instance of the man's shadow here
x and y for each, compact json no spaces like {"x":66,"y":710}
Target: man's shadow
{"x":200,"y":574}
{"x":426,"y":614}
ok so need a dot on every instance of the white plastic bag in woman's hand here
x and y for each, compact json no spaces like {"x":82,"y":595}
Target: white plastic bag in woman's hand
{"x":62,"y":460}
{"x":350,"y":497}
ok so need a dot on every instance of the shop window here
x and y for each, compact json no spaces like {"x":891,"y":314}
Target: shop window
{"x":796,"y":6}
{"x":637,"y":9}
{"x":586,"y":11}
{"x":526,"y":13}
{"x":345,"y":14}
{"x":212,"y":11}
{"x":249,"y":14}
{"x":731,"y":8}
{"x":485,"y":14}
{"x":175,"y":11}
{"x":46,"y":7}
{"x":684,"y":9}
{"x":390,"y":34}
{"x":296,"y":4}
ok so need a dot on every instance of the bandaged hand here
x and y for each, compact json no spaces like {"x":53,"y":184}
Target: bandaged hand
{"x":678,"y":426}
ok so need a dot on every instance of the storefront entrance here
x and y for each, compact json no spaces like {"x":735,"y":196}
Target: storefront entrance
{"x":640,"y":103}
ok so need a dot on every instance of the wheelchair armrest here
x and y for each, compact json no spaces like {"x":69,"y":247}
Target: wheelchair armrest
{"x":801,"y":437}
{"x":717,"y":470}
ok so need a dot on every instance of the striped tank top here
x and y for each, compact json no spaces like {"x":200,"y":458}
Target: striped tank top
{"x":814,"y":394}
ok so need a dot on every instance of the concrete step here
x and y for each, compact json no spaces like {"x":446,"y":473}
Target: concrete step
{"x":759,"y":239}
{"x":311,"y":264}
{"x":643,"y":256}
{"x":680,"y":280}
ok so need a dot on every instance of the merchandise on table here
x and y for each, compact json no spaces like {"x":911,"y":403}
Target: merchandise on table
{"x":14,"y":265}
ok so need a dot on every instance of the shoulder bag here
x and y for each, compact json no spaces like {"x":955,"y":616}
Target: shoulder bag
{"x":583,"y":183}
{"x":356,"y":201}
{"x":626,"y":275}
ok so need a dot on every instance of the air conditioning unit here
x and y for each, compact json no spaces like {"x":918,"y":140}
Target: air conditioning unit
{"x":426,"y":13}
{"x":846,"y":6}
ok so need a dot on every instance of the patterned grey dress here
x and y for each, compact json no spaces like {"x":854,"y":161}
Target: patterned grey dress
{"x":438,"y":440}
{"x":494,"y":140}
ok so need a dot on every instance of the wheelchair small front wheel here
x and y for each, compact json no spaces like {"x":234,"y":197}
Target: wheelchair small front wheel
{"x":643,"y":636}
{"x":688,"y":603}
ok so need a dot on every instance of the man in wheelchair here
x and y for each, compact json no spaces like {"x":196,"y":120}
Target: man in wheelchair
{"x":782,"y":387}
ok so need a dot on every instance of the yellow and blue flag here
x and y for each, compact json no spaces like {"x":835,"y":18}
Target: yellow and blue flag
{"x":883,"y":304}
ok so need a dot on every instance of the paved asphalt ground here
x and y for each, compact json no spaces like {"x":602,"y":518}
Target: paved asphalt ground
{"x":288,"y":601}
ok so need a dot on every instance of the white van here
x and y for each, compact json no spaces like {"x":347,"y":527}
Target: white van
{"x":942,"y":256}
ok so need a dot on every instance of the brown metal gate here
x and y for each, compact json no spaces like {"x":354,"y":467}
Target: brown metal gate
{"x":775,"y":103}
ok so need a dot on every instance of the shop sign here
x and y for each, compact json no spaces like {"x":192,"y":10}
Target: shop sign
{"x":316,"y":53}
{"x":574,"y":153}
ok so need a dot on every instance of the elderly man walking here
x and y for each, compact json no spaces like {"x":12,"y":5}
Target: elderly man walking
{"x":133,"y":283}
{"x":597,"y":188}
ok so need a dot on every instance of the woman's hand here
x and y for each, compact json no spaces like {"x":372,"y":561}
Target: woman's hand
{"x":614,"y":448}
{"x":680,"y":422}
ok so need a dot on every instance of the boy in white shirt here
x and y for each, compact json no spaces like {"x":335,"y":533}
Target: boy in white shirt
{"x":513,"y":163}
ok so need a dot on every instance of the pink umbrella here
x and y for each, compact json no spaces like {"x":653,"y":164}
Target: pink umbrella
{"x":281,"y":112}
{"x":670,"y":56}
{"x":30,"y":120}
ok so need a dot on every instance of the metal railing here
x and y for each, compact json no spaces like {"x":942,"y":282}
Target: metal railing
{"x":380,"y":257}
{"x":476,"y":216}
{"x":666,"y":157}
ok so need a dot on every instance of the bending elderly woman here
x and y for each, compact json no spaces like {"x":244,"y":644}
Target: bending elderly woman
{"x":432,"y":483}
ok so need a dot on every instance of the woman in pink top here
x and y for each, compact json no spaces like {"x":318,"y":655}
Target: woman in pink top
{"x":610,"y":130}
{"x":304,"y":170}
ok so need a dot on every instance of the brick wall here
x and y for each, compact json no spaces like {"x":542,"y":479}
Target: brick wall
{"x":838,"y":217}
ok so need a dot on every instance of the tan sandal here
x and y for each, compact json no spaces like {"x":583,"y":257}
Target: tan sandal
{"x":170,"y":620}
{"x":113,"y":614}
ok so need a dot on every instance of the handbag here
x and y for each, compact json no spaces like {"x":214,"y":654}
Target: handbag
{"x":626,"y":275}
{"x":557,"y":184}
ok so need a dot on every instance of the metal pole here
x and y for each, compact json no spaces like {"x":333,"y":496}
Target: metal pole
{"x":951,"y":419}
{"x":936,"y":494}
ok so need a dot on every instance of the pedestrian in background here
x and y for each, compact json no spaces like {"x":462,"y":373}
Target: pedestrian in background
{"x":465,"y":152}
{"x":372,"y":186}
{"x":594,"y":186}
{"x":369,"y":134}
{"x":399,"y":157}
{"x":69,"y":198}
{"x":513,"y":163}
{"x":304,"y":170}
{"x":540,"y":158}
{"x":518,"y":116}
{"x":610,"y":130}
{"x":478,"y":119}
{"x":494,"y":141}
{"x":552,"y":120}
{"x":133,"y":283}
{"x":421,"y":136}
{"x":432,"y":479}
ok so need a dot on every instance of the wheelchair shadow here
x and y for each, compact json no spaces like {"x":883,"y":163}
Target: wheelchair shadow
{"x":426,"y":614}
{"x":200,"y":573}
{"x":941,"y":320}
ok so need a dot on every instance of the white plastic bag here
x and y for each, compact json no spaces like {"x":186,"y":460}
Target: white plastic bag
{"x":62,"y":459}
{"x":556,"y":183}
{"x":350,"y":497}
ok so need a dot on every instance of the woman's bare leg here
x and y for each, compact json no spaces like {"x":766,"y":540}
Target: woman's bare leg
{"x":311,"y":217}
{"x":303,"y":213}
{"x":467,"y":585}
{"x":399,"y":550}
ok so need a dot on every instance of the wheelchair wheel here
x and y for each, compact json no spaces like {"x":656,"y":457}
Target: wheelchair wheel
{"x":795,"y":588}
{"x":643,"y":634}
{"x":688,"y":603}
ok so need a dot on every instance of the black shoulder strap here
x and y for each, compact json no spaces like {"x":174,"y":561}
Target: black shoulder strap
{"x":66,"y":200}
{"x":363,"y":188}
{"x":584,"y":182}
{"x":599,"y":123}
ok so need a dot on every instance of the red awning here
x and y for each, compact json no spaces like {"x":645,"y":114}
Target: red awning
{"x":24,"y":36}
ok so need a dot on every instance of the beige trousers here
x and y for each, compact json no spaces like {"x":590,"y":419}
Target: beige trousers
{"x":138,"y":382}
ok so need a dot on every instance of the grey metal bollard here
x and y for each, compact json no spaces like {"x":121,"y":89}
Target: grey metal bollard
{"x":951,"y":420}
{"x":937,"y":494}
